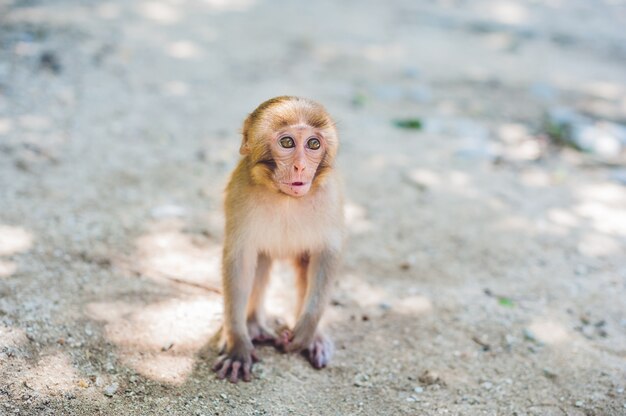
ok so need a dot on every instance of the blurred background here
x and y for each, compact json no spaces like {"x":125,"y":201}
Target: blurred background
{"x":483,"y":147}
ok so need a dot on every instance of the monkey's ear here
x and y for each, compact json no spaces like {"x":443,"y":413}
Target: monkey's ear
{"x":244,"y":149}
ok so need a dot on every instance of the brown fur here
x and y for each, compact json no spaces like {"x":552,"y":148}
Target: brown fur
{"x":263,"y":223}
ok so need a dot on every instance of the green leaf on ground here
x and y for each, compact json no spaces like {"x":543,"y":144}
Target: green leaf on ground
{"x":505,"y":302}
{"x":408,"y":123}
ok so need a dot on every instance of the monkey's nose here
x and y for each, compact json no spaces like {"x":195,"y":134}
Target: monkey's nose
{"x":299,"y":167}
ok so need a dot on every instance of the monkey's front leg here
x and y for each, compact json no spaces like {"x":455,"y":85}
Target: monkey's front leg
{"x":306,"y":335}
{"x":239,"y":353}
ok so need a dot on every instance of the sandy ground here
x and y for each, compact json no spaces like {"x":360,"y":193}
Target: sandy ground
{"x":485,"y":271}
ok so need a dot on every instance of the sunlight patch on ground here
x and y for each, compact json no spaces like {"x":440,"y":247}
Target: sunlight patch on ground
{"x":377,"y":299}
{"x":384,"y":52}
{"x":453,"y":181}
{"x":549,"y":332}
{"x":458,"y":179}
{"x":6,"y":125}
{"x":509,"y":12}
{"x":160,"y":12}
{"x":108,"y":11}
{"x":498,"y":41}
{"x":167,"y":252}
{"x":603,"y":205}
{"x":229,"y":5}
{"x":184,"y":322}
{"x":11,"y":337}
{"x":512,"y":133}
{"x":161,"y":367}
{"x":14,"y":240}
{"x":516,"y":223}
{"x":604,"y":218}
{"x":53,"y":374}
{"x":519,"y":142}
{"x":362,"y":293}
{"x":602,"y":192}
{"x":356,"y":218}
{"x":432,"y":179}
{"x":183,"y":50}
{"x":34,"y":122}
{"x":7,"y":268}
{"x":563,"y":218}
{"x":426,"y":177}
{"x":594,"y":244}
{"x":160,"y":340}
{"x":605,"y":90}
{"x":535,"y":178}
{"x":413,"y":305}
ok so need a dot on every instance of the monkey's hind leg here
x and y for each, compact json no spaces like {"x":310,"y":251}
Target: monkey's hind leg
{"x":257,"y":329}
{"x":301,"y":265}
{"x":313,"y":280}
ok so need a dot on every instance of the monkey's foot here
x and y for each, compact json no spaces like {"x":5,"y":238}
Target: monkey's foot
{"x":259,"y":333}
{"x":283,"y":340}
{"x":236,"y":364}
{"x":318,"y":352}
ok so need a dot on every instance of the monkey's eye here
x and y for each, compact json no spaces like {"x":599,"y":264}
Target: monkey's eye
{"x":287,"y":142}
{"x":313,"y":144}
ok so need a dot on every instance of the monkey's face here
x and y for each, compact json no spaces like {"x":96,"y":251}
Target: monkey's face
{"x":297,"y":150}
{"x":290,"y":144}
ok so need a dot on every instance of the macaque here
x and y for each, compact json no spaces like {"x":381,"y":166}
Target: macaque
{"x":283,"y":201}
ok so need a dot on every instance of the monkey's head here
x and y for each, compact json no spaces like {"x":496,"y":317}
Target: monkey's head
{"x":290,"y":144}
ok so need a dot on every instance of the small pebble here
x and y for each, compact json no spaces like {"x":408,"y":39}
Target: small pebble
{"x":362,"y":380}
{"x":549,"y":373}
{"x":111,"y":389}
{"x":429,"y":377}
{"x":529,"y":336}
{"x":49,"y":61}
{"x":487,"y":385}
{"x":418,"y":389}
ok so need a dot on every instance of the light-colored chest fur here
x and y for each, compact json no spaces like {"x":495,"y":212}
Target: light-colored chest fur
{"x":283,"y":227}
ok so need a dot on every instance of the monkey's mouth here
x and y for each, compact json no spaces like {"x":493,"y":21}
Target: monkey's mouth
{"x":296,"y":188}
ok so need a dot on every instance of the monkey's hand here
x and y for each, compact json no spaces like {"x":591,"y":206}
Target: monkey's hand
{"x":317,"y":349}
{"x":259,"y":333}
{"x":238,"y":362}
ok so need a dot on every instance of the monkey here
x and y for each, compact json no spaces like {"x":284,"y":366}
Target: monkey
{"x":284,"y":200}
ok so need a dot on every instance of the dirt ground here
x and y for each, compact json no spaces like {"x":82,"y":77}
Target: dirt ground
{"x":485,"y":272}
